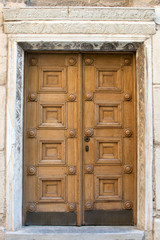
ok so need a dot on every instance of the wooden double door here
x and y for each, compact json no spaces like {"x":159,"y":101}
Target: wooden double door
{"x":79,"y":139}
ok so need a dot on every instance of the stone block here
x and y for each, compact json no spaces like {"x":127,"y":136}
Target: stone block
{"x":118,"y":14}
{"x":157,"y":178}
{"x":156,"y":57}
{"x":1,"y":17}
{"x":156,"y":228}
{"x":76,"y":233}
{"x":2,"y":236}
{"x":2,"y":116}
{"x":145,"y":3}
{"x":79,"y":27}
{"x":3,"y":45}
{"x":108,"y":3}
{"x":2,"y":161}
{"x":3,"y":70}
{"x":81,"y":13}
{"x":2,"y":191}
{"x":156,"y":113}
{"x":157,"y":15}
{"x":2,"y":229}
{"x":35,"y":13}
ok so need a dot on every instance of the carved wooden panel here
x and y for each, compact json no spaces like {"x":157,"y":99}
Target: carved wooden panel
{"x":71,"y":207}
{"x":112,"y":148}
{"x":51,"y":144}
{"x":32,"y":97}
{"x":71,"y":133}
{"x":31,"y":170}
{"x":109,"y":150}
{"x":52,"y":152}
{"x":108,"y":187}
{"x":31,"y":133}
{"x":52,"y":189}
{"x":53,"y":79}
{"x":110,"y":79}
{"x":71,"y":170}
{"x":80,"y":134}
{"x":109,"y":114}
{"x":52,"y":115}
{"x":33,"y":61}
{"x":31,"y":207}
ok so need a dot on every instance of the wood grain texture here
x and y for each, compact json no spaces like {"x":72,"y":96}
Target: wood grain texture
{"x":48,"y":148}
{"x":80,"y":134}
{"x":112,"y":115}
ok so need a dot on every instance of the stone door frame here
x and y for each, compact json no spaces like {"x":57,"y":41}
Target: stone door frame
{"x":17,"y":44}
{"x":89,"y":29}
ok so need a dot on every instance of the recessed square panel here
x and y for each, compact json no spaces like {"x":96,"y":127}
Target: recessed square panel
{"x":52,"y":116}
{"x":53,"y":79}
{"x":52,"y":190}
{"x":109,"y":150}
{"x":109,"y":114}
{"x":108,"y":187}
{"x":52,"y":152}
{"x":110,"y":79}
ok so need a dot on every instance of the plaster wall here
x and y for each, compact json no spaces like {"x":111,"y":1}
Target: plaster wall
{"x":23,"y":31}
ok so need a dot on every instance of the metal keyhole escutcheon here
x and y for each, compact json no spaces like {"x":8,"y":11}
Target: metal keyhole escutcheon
{"x":87,"y":148}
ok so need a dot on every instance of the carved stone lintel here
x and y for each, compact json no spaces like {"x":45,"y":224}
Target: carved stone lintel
{"x":129,"y":46}
{"x":32,"y":97}
{"x":31,"y":170}
{"x":33,"y":61}
{"x":71,"y":97}
{"x":89,"y":169}
{"x":128,"y":205}
{"x":31,"y":133}
{"x":128,"y":169}
{"x":89,"y":96}
{"x":107,"y":46}
{"x":127,"y":96}
{"x":127,"y":132}
{"x":71,"y":170}
{"x":89,"y":132}
{"x":89,"y":205}
{"x":72,"y":133}
{"x":31,"y":207}
{"x":88,"y":61}
{"x":71,"y":207}
{"x":72,"y":61}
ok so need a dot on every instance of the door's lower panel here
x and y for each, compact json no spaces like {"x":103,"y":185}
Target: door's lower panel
{"x":51,"y":219}
{"x":109,"y":218}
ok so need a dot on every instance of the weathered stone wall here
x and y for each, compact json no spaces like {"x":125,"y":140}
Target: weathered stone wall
{"x":156,"y":91}
{"x":156,"y":125}
{"x":104,"y":3}
{"x":3,"y":76}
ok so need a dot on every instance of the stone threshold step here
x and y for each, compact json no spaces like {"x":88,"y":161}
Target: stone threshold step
{"x":76,"y":233}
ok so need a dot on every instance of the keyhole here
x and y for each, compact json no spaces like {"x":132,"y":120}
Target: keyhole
{"x":87,"y":148}
{"x":86,"y":139}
